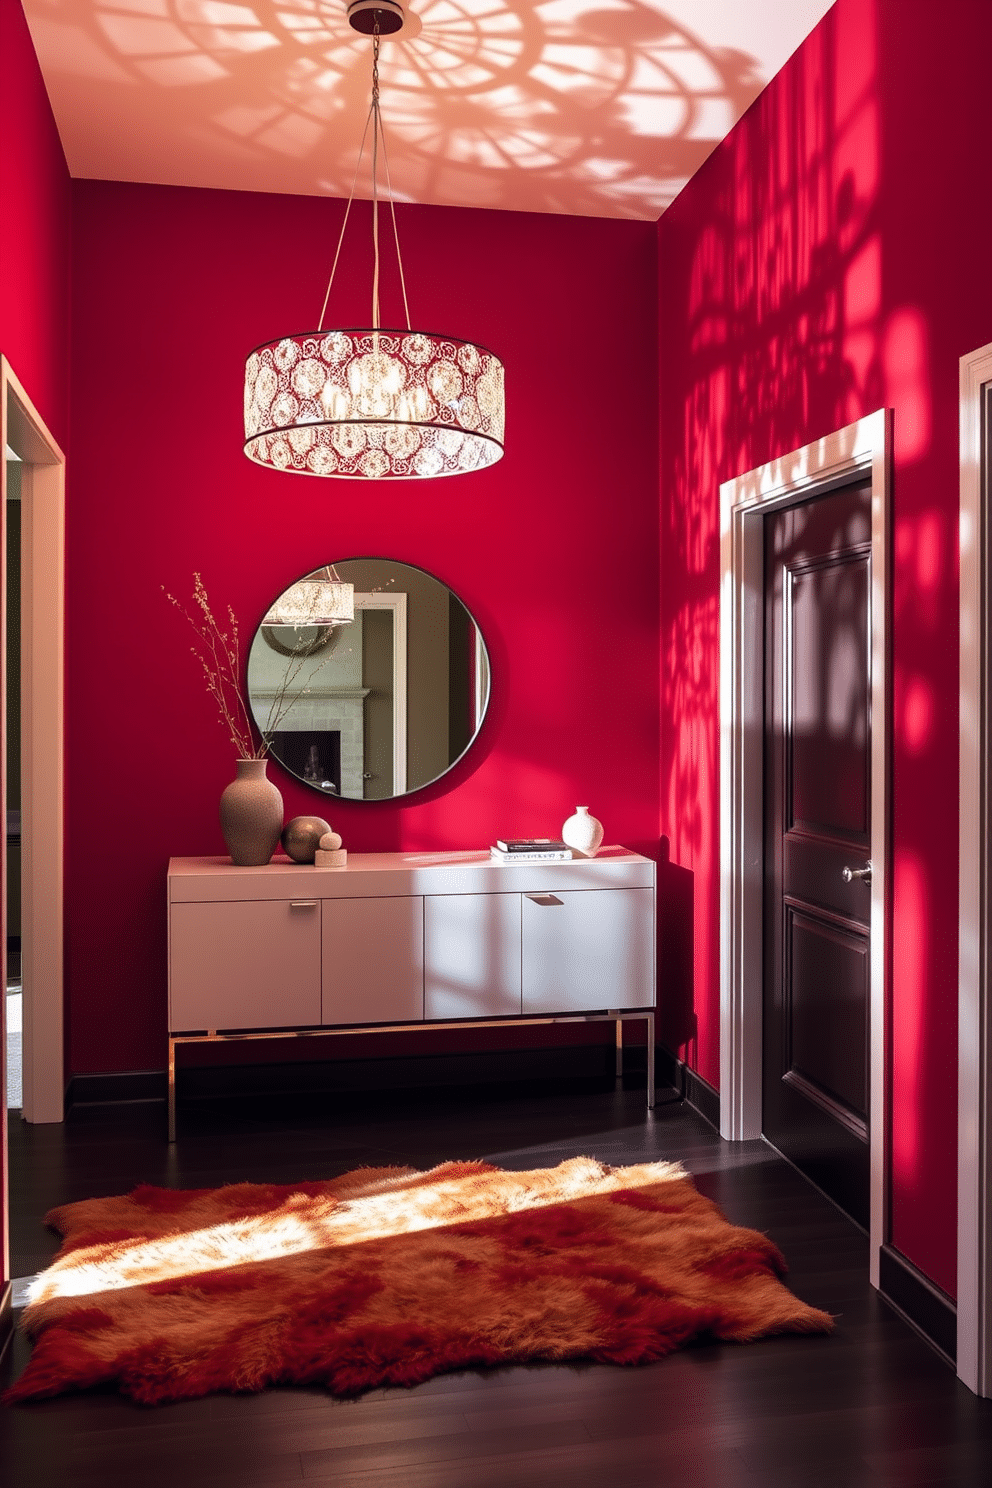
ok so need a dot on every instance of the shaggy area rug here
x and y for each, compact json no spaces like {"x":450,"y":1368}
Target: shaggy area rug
{"x":390,"y":1275}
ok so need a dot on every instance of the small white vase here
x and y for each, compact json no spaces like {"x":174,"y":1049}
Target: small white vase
{"x":582,"y":833}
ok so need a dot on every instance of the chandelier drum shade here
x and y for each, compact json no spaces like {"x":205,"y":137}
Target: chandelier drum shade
{"x":373,"y":403}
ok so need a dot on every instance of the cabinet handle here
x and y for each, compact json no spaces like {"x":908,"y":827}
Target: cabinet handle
{"x":544,"y":900}
{"x":303,"y":903}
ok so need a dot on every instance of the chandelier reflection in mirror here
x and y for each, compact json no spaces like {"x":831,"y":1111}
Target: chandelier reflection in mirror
{"x":373,"y":403}
{"x":322,"y":598}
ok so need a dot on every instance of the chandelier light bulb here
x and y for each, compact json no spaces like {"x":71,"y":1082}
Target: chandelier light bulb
{"x":335,"y":402}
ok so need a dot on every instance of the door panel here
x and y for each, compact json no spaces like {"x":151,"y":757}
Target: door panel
{"x":471,"y":955}
{"x":826,"y":617}
{"x":587,"y":949}
{"x":244,"y":965}
{"x":826,"y":992}
{"x":373,"y":960}
{"x":817,"y":822}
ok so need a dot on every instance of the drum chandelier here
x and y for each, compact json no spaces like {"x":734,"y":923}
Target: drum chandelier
{"x":373,"y":403}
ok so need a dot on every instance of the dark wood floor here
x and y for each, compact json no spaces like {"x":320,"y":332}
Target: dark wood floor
{"x":871,"y":1405}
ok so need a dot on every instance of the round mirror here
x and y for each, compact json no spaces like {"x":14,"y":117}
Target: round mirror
{"x":370,"y":678}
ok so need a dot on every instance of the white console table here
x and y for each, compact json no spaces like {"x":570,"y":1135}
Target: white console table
{"x":404,"y":941}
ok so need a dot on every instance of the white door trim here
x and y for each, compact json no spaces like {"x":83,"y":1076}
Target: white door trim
{"x":42,"y":670}
{"x":397,"y":604}
{"x":860,"y":448}
{"x":974,"y":1343}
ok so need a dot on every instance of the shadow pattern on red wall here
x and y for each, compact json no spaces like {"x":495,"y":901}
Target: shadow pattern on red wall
{"x":805,"y":282}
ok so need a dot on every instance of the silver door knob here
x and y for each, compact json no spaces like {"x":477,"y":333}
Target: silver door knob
{"x":861,"y":875}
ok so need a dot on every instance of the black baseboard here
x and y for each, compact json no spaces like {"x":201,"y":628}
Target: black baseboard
{"x":670,"y":1068}
{"x":703,"y":1097}
{"x":922,"y":1304}
{"x":344,"y":1076}
{"x":115,"y":1087}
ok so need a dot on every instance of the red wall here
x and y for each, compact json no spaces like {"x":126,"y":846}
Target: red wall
{"x":554,"y":550}
{"x":831,"y":258}
{"x":34,"y":239}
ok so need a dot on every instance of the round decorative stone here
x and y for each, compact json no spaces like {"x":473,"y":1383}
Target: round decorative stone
{"x":301,"y":837}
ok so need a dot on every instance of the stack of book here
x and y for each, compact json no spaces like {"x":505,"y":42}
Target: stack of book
{"x":530,"y":850}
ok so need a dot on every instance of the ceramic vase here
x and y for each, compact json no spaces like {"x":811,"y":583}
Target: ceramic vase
{"x":582,"y":833}
{"x":251,"y":815}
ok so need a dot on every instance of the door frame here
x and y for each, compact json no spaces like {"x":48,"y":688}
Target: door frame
{"x":397,"y":604}
{"x":974,"y":1300}
{"x":859,"y":449}
{"x":42,"y":755}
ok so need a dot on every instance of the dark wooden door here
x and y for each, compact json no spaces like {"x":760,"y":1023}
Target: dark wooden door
{"x":817,"y":824}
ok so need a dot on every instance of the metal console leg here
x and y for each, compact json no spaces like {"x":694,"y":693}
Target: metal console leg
{"x":650,"y":1022}
{"x":619,"y":1048}
{"x":172,"y":1090}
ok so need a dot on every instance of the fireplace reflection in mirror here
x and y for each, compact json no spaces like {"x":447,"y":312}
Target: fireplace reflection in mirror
{"x":314,"y":755}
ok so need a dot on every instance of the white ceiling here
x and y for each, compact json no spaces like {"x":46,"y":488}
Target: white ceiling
{"x":592,"y":107}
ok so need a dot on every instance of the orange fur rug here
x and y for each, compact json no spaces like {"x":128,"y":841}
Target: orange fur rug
{"x":389,"y":1275}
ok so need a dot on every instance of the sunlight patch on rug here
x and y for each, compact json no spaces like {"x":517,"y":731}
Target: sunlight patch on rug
{"x":390,"y":1275}
{"x":394,"y":1202}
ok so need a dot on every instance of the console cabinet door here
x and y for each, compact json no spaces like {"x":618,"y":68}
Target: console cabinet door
{"x":244,"y":965}
{"x":588,"y":949}
{"x":471,"y":955}
{"x":373,"y":960}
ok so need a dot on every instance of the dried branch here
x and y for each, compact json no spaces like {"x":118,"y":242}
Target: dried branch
{"x":218,"y":654}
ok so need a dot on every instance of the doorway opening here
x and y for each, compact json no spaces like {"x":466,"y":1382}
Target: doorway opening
{"x":12,"y":734}
{"x":817,"y":852}
{"x":859,"y":450}
{"x":31,"y":451}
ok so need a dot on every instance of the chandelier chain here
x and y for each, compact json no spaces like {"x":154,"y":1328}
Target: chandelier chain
{"x":376,"y":130}
{"x":375,"y":66}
